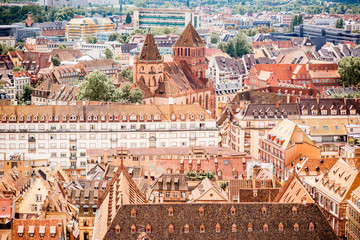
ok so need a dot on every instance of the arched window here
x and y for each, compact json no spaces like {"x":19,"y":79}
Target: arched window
{"x":187,"y":101}
{"x":193,"y":100}
{"x":200,"y":101}
{"x":142,"y":69}
{"x":207,"y":102}
{"x":153,"y":82}
{"x":142,"y":79}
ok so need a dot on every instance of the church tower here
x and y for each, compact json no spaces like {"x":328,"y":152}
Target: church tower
{"x":148,"y":66}
{"x":191,"y":48}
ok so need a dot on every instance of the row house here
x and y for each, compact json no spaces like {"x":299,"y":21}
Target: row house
{"x":31,"y":61}
{"x":352,"y":227}
{"x":333,"y":192}
{"x":319,"y":76}
{"x":222,"y":70}
{"x":170,"y":188}
{"x":52,"y":229}
{"x":282,"y":144}
{"x":65,"y":132}
{"x":49,"y":93}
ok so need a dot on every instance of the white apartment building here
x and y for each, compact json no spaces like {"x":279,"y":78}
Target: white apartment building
{"x":160,"y":17}
{"x":65,"y":132}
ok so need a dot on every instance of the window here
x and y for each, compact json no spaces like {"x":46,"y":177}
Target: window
{"x":265,"y":227}
{"x":250,"y":227}
{"x":167,"y":194}
{"x":232,"y":210}
{"x":133,"y":229}
{"x":186,"y":228}
{"x":171,"y":211}
{"x":148,"y":228}
{"x":202,"y":228}
{"x":171,"y":228}
{"x":38,"y":198}
{"x":311,"y":227}
{"x":325,"y":128}
{"x":233,"y":228}
{"x":217,"y":228}
{"x":201,"y":211}
{"x":133,"y":213}
{"x":117,"y":229}
{"x":281,"y":227}
{"x":296,"y":227}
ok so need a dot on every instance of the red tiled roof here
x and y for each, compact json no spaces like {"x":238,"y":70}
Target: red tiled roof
{"x":35,"y":225}
{"x":189,"y":38}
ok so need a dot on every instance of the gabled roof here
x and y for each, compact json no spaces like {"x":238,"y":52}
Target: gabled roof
{"x":204,"y":187}
{"x":293,"y":191}
{"x":149,"y":50}
{"x":189,"y":38}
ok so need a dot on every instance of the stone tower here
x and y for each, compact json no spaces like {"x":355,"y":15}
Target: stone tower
{"x":191,"y":48}
{"x":148,"y":66}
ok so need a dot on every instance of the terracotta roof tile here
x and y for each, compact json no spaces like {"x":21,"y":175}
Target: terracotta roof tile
{"x":149,"y":50}
{"x":189,"y":38}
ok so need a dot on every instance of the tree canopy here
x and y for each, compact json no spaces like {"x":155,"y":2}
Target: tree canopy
{"x":214,"y":37}
{"x":128,"y":18}
{"x":26,"y":95}
{"x":339,"y":23}
{"x":91,"y":39}
{"x":4,"y":49}
{"x":18,"y":69}
{"x":349,"y":70}
{"x":236,"y":47}
{"x":56,"y":61}
{"x":108,"y":53}
{"x":128,"y":74}
{"x":97,"y":87}
{"x":296,"y":21}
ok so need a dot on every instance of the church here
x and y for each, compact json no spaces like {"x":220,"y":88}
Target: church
{"x":179,"y":82}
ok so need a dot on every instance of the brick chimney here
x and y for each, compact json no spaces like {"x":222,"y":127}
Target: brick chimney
{"x":345,"y":100}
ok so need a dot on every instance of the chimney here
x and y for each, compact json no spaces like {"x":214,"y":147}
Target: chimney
{"x":105,"y":158}
{"x":355,"y":98}
{"x":277,"y":104}
{"x":317,"y":98}
{"x":345,"y":100}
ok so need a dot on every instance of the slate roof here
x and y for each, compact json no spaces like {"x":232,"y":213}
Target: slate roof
{"x":252,"y":221}
{"x":189,"y":38}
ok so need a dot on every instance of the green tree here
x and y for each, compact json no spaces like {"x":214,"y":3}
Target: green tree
{"x":62,"y":46}
{"x":136,"y":96}
{"x":214,"y":37}
{"x":108,"y":53}
{"x":236,"y":47}
{"x":56,"y":61}
{"x":18,"y":69}
{"x":294,"y":22}
{"x":127,"y":95}
{"x":349,"y":70}
{"x":339,"y":23}
{"x":91,"y":39}
{"x":4,"y":49}
{"x":96,"y":87}
{"x":113,"y":36}
{"x":26,"y":95}
{"x":128,"y":74}
{"x":128,"y":18}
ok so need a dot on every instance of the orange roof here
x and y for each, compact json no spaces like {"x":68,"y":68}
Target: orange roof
{"x":189,"y":38}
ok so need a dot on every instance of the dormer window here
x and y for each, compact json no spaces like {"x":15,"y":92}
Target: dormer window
{"x":27,"y":119}
{"x":333,"y":112}
{"x":201,"y":211}
{"x":323,"y":112}
{"x":133,"y":213}
{"x":201,"y":116}
{"x":148,"y":228}
{"x":173,"y":117}
{"x":311,"y":227}
{"x":217,"y":228}
{"x":64,"y":118}
{"x":171,"y":211}
{"x":233,"y":228}
{"x":141,"y":117}
{"x":265,"y":227}
{"x":294,"y":210}
{"x":186,"y":228}
{"x":296,"y":227}
{"x":171,"y":228}
{"x":102,"y":118}
{"x":304,"y":112}
{"x":111,"y":118}
{"x":281,"y":227}
{"x":89,"y":118}
{"x":133,"y":229}
{"x":133,"y":117}
{"x":263,"y":210}
{"x":202,"y":228}
{"x":250,"y":227}
{"x":343,"y":111}
{"x":124,"y":118}
{"x":352,"y":111}
{"x":182,"y":116}
{"x":156,"y":117}
{"x":192,"y":116}
{"x":117,"y":229}
{"x":233,"y":210}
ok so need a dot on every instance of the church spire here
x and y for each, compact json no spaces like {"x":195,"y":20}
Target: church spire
{"x":149,"y":50}
{"x":189,"y":38}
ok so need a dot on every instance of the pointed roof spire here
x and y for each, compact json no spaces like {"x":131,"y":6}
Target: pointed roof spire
{"x":189,"y":38}
{"x":149,"y":50}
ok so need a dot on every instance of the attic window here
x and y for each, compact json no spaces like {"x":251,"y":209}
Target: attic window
{"x":173,"y":117}
{"x":233,"y":228}
{"x":171,"y":228}
{"x":186,"y":228}
{"x":250,"y":227}
{"x":148,"y":228}
{"x":182,"y":116}
{"x":296,"y":227}
{"x":133,"y":213}
{"x":201,"y":211}
{"x":263,"y":210}
{"x":202,"y":228}
{"x":217,"y":228}
{"x":294,"y":210}
{"x":201,"y":116}
{"x":133,"y":229}
{"x":281,"y":227}
{"x":265,"y":227}
{"x":192,"y":116}
{"x":311,"y":227}
{"x":171,"y":211}
{"x":117,"y":229}
{"x":232,"y":210}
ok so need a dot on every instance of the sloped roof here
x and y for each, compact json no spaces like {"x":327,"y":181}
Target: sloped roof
{"x":149,"y":50}
{"x":204,"y":186}
{"x":189,"y":38}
